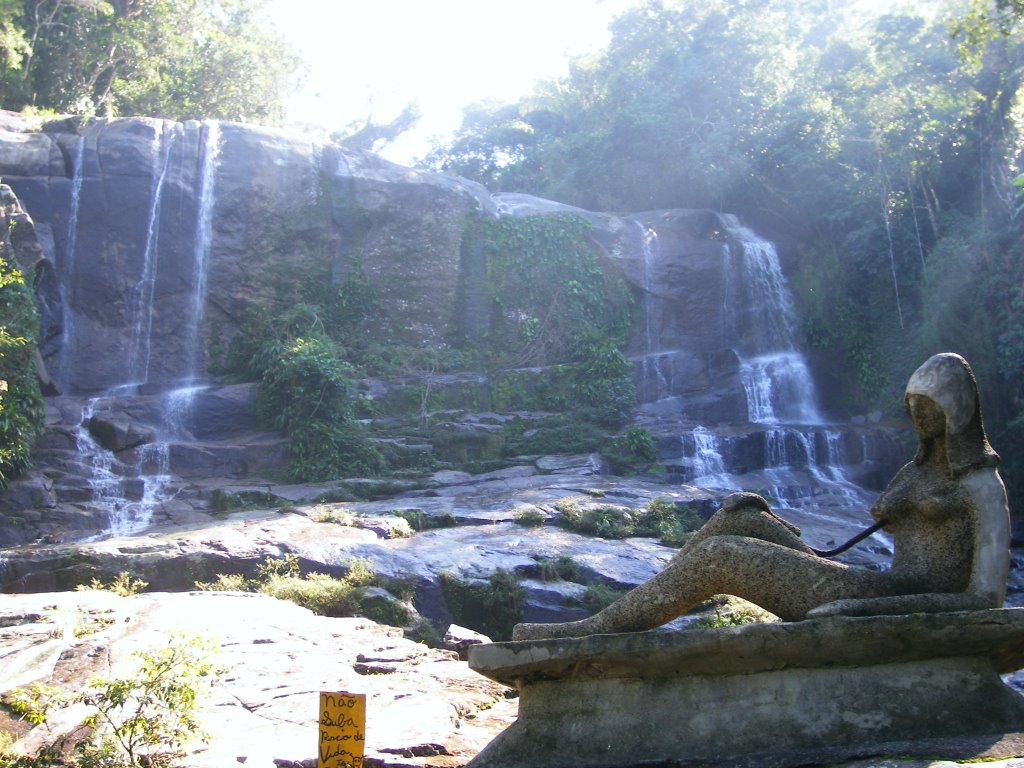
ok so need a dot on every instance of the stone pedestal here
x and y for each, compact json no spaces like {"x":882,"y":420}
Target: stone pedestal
{"x":769,"y":694}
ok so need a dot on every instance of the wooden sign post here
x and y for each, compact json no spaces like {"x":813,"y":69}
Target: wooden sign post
{"x":342,"y":730}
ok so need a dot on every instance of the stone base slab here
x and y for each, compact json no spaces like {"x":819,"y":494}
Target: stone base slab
{"x":778,"y":695}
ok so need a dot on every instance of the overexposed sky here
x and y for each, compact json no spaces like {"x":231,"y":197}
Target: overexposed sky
{"x":372,"y":57}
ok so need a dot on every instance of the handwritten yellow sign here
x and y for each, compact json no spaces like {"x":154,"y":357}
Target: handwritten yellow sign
{"x":342,"y":730}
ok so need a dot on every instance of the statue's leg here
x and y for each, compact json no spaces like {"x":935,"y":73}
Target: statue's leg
{"x":780,"y":579}
{"x":747,"y":514}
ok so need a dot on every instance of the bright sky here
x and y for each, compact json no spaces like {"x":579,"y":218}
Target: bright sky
{"x":372,"y":57}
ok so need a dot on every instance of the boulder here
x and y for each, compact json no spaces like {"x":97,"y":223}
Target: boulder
{"x":117,"y":434}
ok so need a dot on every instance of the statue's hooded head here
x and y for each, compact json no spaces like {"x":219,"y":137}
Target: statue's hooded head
{"x":947,"y":380}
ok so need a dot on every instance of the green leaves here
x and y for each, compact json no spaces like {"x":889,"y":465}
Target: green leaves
{"x":306,"y":391}
{"x":146,"y":719}
{"x":21,"y":402}
{"x":176,"y":59}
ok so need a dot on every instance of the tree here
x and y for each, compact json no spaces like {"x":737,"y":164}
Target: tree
{"x":176,"y":59}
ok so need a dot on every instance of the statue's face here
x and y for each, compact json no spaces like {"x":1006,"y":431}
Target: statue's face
{"x":929,"y":419}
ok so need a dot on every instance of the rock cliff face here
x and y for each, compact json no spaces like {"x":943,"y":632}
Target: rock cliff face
{"x":153,"y":244}
{"x":155,"y":234}
{"x":158,"y":239}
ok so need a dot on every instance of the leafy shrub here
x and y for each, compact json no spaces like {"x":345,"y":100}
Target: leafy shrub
{"x":147,"y":719}
{"x":419,"y":520}
{"x":21,"y":401}
{"x":324,"y":513}
{"x":603,"y":522}
{"x":673,"y":524}
{"x":322,"y":594}
{"x":529,"y":517}
{"x":561,"y":568}
{"x":32,"y":704}
{"x":635,"y":446}
{"x":306,"y":392}
{"x":599,"y":596}
{"x":226,"y":582}
{"x":492,"y":608}
{"x":325,"y":595}
{"x":124,"y":584}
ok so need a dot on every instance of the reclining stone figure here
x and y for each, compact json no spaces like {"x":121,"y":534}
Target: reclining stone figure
{"x":946,"y":511}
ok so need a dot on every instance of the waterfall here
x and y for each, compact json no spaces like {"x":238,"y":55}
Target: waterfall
{"x":142,"y":295}
{"x":651,"y":368}
{"x":177,"y":408}
{"x":708,"y":465}
{"x":66,"y":357}
{"x":105,"y":485}
{"x":129,"y":494}
{"x":201,"y":251}
{"x":774,"y":374}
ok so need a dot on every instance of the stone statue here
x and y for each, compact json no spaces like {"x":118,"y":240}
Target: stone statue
{"x":946,"y":511}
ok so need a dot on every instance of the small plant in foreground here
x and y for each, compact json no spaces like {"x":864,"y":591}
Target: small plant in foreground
{"x":32,"y":704}
{"x":147,"y":719}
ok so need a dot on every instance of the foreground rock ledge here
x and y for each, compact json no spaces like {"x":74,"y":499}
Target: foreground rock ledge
{"x":764,"y":695}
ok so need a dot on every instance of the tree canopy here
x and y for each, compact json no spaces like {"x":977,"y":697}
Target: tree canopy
{"x":177,"y":59}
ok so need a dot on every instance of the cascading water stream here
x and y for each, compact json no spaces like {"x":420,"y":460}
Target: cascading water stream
{"x":178,"y":403}
{"x":758,"y":322}
{"x":142,"y":296}
{"x":775,"y":375}
{"x":708,"y":464}
{"x":66,"y":357}
{"x":203,"y":242}
{"x":131,"y":503}
{"x":648,"y":239}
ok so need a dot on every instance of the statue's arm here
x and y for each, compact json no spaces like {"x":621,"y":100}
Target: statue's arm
{"x":933,"y":602}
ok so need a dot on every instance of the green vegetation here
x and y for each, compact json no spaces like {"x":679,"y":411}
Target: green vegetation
{"x":599,"y":596}
{"x":660,"y":518}
{"x":148,"y":719}
{"x":21,"y":402}
{"x":176,"y":59}
{"x":561,"y":568}
{"x":633,"y":448}
{"x":124,"y":584}
{"x":418,"y":520}
{"x":492,"y":608}
{"x":325,"y":595}
{"x":529,"y":517}
{"x":728,"y":611}
{"x":33,"y":703}
{"x":306,"y":393}
{"x":144,"y":720}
